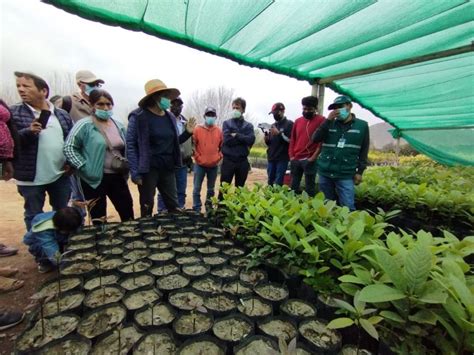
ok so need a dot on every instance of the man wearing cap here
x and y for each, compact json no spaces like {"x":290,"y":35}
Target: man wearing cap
{"x":239,"y":136}
{"x":186,"y":148}
{"x":302,"y":151}
{"x":153,"y":146}
{"x":278,"y":141}
{"x":78,"y":104}
{"x":41,"y":166}
{"x":343,"y":158}
{"x":208,"y":141}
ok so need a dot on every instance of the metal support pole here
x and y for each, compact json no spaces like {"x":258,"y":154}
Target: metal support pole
{"x":318,"y":91}
{"x":397,"y":151}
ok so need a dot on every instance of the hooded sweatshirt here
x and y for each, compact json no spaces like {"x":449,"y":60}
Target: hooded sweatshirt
{"x":207,"y":145}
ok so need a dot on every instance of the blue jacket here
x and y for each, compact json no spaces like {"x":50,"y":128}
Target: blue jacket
{"x":22,"y":117}
{"x":138,"y":143}
{"x":237,"y":148}
{"x":42,"y":239}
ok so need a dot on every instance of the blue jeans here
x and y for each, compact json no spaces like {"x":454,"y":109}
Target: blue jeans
{"x":34,"y":196}
{"x":77,"y":195}
{"x":199,"y":173}
{"x":181,"y":176}
{"x":340,"y":190}
{"x":276,"y":171}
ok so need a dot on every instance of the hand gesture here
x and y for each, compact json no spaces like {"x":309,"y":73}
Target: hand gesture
{"x":333,"y":114}
{"x":35,"y":127}
{"x":190,"y":125}
{"x":274,"y":131}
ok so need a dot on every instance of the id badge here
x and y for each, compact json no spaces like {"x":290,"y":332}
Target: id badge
{"x":341,"y":143}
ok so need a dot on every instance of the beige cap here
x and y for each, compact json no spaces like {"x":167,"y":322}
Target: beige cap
{"x":86,"y":76}
{"x":155,"y":85}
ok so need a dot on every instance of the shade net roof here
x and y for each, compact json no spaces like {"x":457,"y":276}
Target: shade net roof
{"x":326,"y":39}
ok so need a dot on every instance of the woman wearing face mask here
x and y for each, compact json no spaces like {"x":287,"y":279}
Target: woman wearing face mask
{"x":95,"y":148}
{"x":153,"y":146}
{"x":207,"y":140}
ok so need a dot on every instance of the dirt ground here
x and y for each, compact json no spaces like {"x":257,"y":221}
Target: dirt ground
{"x":12,"y":231}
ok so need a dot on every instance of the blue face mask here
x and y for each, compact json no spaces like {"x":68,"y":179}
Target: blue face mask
{"x":236,"y":114}
{"x":164,"y":103}
{"x":103,"y":115}
{"x":343,"y":114}
{"x":210,"y":121}
{"x":89,"y":89}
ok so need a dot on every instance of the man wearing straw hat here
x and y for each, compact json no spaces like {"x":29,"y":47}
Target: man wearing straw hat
{"x":153,"y":146}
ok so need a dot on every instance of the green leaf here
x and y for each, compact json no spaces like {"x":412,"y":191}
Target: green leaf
{"x":350,"y":289}
{"x":369,"y":328}
{"x":352,"y":279}
{"x":344,"y":305}
{"x":391,"y":268}
{"x":380,"y":293}
{"x":417,"y":267}
{"x":424,"y":316}
{"x":330,"y":235}
{"x":392,"y":316}
{"x":466,"y":296}
{"x":433,"y":293}
{"x":340,"y":323}
{"x":375,"y":319}
{"x":356,"y":230}
{"x":300,"y":230}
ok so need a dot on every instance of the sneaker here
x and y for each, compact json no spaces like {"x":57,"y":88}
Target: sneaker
{"x":44,"y":268}
{"x":10,"y":319}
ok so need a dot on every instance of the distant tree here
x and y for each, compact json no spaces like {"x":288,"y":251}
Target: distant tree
{"x":218,"y":97}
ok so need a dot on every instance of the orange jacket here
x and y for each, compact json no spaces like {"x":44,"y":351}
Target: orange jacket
{"x":207,"y":145}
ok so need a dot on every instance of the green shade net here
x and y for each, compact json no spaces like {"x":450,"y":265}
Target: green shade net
{"x":317,"y":39}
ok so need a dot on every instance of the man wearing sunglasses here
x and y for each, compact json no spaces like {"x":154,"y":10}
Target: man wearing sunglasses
{"x":343,"y":158}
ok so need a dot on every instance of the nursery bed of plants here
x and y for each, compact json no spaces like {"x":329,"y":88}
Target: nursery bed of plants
{"x":429,"y":196}
{"x":169,"y":285}
{"x":410,"y":291}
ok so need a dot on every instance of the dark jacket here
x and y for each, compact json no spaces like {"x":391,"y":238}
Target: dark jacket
{"x":138,"y":143}
{"x":25,"y":164}
{"x":278,"y":145}
{"x":343,"y":162}
{"x":237,"y":148}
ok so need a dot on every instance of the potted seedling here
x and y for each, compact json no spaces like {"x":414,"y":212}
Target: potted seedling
{"x":135,"y":266}
{"x":185,"y":299}
{"x":99,"y":281}
{"x":70,"y":302}
{"x":237,"y":288}
{"x":184,"y":249}
{"x":272,"y":292}
{"x":117,"y":341}
{"x":60,"y":285}
{"x":232,"y":329}
{"x":135,"y":281}
{"x":208,"y":285}
{"x":256,"y":344}
{"x":297,"y":309}
{"x":253,"y":276}
{"x":172,"y":282}
{"x":136,"y":254}
{"x":319,"y":337}
{"x":161,"y":245}
{"x":195,"y":270}
{"x":155,"y":315}
{"x":71,"y":344}
{"x":160,"y":342}
{"x":220,"y":304}
{"x":164,"y":269}
{"x":255,"y":307}
{"x":202,"y":345}
{"x":164,"y":256}
{"x":100,"y":320}
{"x":214,"y":259}
{"x":208,"y":250}
{"x":193,"y":323}
{"x":226,"y":273}
{"x":141,"y":297}
{"x":279,"y":327}
{"x":103,"y":295}
{"x":193,"y":258}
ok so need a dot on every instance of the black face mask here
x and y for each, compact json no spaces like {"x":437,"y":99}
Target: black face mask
{"x":308,"y":114}
{"x":277,"y":117}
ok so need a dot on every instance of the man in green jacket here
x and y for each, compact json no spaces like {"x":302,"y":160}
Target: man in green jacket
{"x":344,"y":152}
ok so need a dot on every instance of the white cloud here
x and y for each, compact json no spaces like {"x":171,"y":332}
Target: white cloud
{"x":41,"y":38}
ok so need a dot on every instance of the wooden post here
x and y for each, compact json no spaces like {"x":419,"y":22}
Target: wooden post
{"x":318,"y":91}
{"x":397,"y":152}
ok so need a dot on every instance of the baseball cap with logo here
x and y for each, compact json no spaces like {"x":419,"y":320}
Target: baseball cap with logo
{"x":88,"y":77}
{"x":277,"y":107}
{"x":338,"y":101}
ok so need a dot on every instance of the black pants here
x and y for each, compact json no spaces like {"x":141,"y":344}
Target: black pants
{"x":113,"y":186}
{"x":165,"y":181}
{"x":230,"y":168}
{"x":300,"y":167}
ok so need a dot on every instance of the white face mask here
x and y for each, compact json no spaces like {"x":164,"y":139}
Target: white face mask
{"x":236,"y":114}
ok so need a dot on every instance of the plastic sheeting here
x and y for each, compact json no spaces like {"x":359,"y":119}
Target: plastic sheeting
{"x":317,"y":39}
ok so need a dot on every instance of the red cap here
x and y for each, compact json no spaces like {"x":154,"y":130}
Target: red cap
{"x":277,"y":107}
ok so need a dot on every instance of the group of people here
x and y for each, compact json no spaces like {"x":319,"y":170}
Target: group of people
{"x":76,"y":151}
